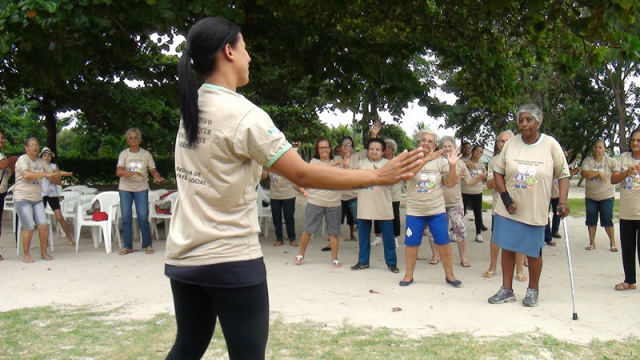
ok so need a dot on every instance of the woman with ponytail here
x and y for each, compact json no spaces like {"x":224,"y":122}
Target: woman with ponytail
{"x":213,"y":255}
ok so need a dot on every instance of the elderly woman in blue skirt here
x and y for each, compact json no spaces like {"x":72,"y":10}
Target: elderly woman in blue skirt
{"x":523,"y":175}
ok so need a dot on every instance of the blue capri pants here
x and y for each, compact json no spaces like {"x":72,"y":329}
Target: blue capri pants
{"x":604,"y":207}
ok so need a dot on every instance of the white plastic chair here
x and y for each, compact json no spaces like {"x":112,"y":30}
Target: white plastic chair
{"x":87,"y":191}
{"x":74,"y":188}
{"x":9,"y":205}
{"x":264,"y":212}
{"x":100,"y":229}
{"x":154,"y":215}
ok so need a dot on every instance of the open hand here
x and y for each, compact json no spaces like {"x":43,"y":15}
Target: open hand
{"x":401,"y":167}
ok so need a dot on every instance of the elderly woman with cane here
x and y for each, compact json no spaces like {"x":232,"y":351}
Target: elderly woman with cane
{"x":523,"y":175}
{"x":213,"y":256}
{"x":628,"y":174}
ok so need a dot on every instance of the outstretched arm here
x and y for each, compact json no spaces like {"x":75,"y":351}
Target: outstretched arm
{"x":291,"y":166}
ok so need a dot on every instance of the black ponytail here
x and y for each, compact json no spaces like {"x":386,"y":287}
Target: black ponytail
{"x":204,"y":41}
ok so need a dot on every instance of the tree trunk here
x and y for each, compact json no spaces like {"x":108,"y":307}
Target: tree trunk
{"x":617,"y":86}
{"x":52,"y":131}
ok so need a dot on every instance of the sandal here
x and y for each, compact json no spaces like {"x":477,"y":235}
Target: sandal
{"x":590,"y":247}
{"x":465,"y":264}
{"x":148,"y":250}
{"x":278,"y":243}
{"x":336,"y":263}
{"x":298,"y":259}
{"x":293,"y":243}
{"x":125,"y":251}
{"x":625,"y":286}
{"x":46,"y":257}
{"x":28,"y":260}
{"x":433,"y":262}
{"x":521,"y":277}
{"x":71,"y":242}
{"x":489,"y":274}
{"x":614,"y":249}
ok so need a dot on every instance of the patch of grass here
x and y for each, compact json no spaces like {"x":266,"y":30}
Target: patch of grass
{"x":47,"y":333}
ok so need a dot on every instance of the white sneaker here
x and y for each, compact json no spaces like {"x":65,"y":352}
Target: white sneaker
{"x":376,"y":241}
{"x":479,"y":238}
{"x":396,"y":239}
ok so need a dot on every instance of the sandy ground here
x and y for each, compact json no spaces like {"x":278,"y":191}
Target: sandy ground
{"x":134,"y":285}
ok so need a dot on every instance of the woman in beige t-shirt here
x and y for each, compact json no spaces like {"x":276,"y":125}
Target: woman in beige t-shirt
{"x":472,"y":193}
{"x":523,"y":174}
{"x":213,"y":257}
{"x":627,"y":173}
{"x":134,"y":165}
{"x":599,"y":193}
{"x":30,"y":170}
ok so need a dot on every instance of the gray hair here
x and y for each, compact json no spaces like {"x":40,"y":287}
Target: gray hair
{"x":393,"y":144}
{"x":445,"y":139}
{"x":533,"y":110}
{"x":420,"y":134}
{"x":26,"y":143}
{"x":505,"y":132}
{"x":135,"y":130}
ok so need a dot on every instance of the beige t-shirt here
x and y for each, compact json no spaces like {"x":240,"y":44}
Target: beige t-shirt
{"x":29,"y":189}
{"x":5,"y":174}
{"x":629,"y":189}
{"x":281,"y":188}
{"x":477,"y":169}
{"x":528,"y":173}
{"x":495,"y":196}
{"x":353,"y":162}
{"x":596,"y":189}
{"x":374,"y":202}
{"x":396,"y":191}
{"x":424,"y":193}
{"x":322,"y":197}
{"x":453,"y":195}
{"x":215,"y":219}
{"x":141,"y":162}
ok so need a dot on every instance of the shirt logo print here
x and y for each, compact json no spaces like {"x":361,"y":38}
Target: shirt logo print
{"x":526,"y":177}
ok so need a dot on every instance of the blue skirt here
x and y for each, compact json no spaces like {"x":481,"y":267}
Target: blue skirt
{"x":519,"y":237}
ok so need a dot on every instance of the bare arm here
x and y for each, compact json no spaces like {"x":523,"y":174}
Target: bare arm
{"x":452,"y":179}
{"x":563,"y":187}
{"x":8,"y":162}
{"x":618,"y":176}
{"x":121,"y":172}
{"x":33,"y":175}
{"x":474,"y":180}
{"x":291,"y":166}
{"x":156,"y":176}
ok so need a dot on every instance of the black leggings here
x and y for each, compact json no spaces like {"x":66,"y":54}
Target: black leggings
{"x":476,"y":203}
{"x":243,"y":314}
{"x":629,"y":244}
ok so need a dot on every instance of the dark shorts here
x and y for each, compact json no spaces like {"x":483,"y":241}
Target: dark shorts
{"x":54,"y":202}
{"x":604,"y":207}
{"x":2,"y":196}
